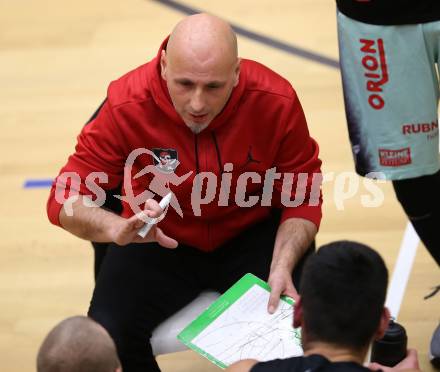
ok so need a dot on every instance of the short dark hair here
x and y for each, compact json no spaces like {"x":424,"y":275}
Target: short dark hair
{"x":77,"y":344}
{"x":343,"y":290}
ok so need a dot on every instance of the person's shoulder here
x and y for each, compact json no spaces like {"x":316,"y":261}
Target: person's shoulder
{"x":345,"y":367}
{"x":244,"y":365}
{"x":281,"y":365}
{"x":260,"y":78}
{"x":130,"y":87}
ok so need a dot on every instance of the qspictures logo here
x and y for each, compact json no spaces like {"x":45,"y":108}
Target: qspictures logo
{"x":375,"y":71}
{"x":292,"y":189}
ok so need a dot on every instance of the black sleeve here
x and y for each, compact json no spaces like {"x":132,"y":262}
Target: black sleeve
{"x":295,"y":364}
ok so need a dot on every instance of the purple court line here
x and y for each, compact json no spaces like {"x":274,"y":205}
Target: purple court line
{"x":38,"y":183}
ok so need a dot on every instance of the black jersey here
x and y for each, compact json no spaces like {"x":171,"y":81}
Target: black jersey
{"x":391,"y":12}
{"x":307,"y":364}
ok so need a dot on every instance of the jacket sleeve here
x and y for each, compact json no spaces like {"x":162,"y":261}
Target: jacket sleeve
{"x":298,"y":192}
{"x":100,"y":148}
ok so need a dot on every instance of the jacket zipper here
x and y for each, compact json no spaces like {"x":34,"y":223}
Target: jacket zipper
{"x":196,"y":151}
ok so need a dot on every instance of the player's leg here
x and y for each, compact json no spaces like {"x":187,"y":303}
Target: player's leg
{"x":391,"y":98}
{"x":138,"y":287}
{"x":432,"y":30}
{"x":420,"y":199}
{"x":390,"y":94}
{"x":420,"y":196}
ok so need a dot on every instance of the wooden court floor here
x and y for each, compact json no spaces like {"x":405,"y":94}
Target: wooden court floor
{"x":56,"y":59}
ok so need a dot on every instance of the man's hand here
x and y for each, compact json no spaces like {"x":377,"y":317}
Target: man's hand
{"x":280,"y":281}
{"x":410,"y":363}
{"x":126,"y":230}
{"x":99,"y":225}
{"x":293,"y":238}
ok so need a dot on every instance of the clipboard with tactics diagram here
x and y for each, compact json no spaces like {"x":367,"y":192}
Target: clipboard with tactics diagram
{"x":237,"y":326}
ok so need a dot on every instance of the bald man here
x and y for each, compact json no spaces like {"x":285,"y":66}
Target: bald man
{"x":228,"y":138}
{"x":78,"y":344}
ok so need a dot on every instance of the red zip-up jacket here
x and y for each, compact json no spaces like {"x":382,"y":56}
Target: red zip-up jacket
{"x":262,"y":126}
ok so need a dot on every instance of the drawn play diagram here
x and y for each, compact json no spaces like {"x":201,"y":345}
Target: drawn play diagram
{"x":237,"y":326}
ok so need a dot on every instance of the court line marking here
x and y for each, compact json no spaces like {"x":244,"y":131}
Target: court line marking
{"x":38,"y":183}
{"x":402,"y":270}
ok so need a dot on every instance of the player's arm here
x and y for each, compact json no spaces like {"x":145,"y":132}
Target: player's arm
{"x":244,"y":365}
{"x":100,"y":153}
{"x":99,"y":225}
